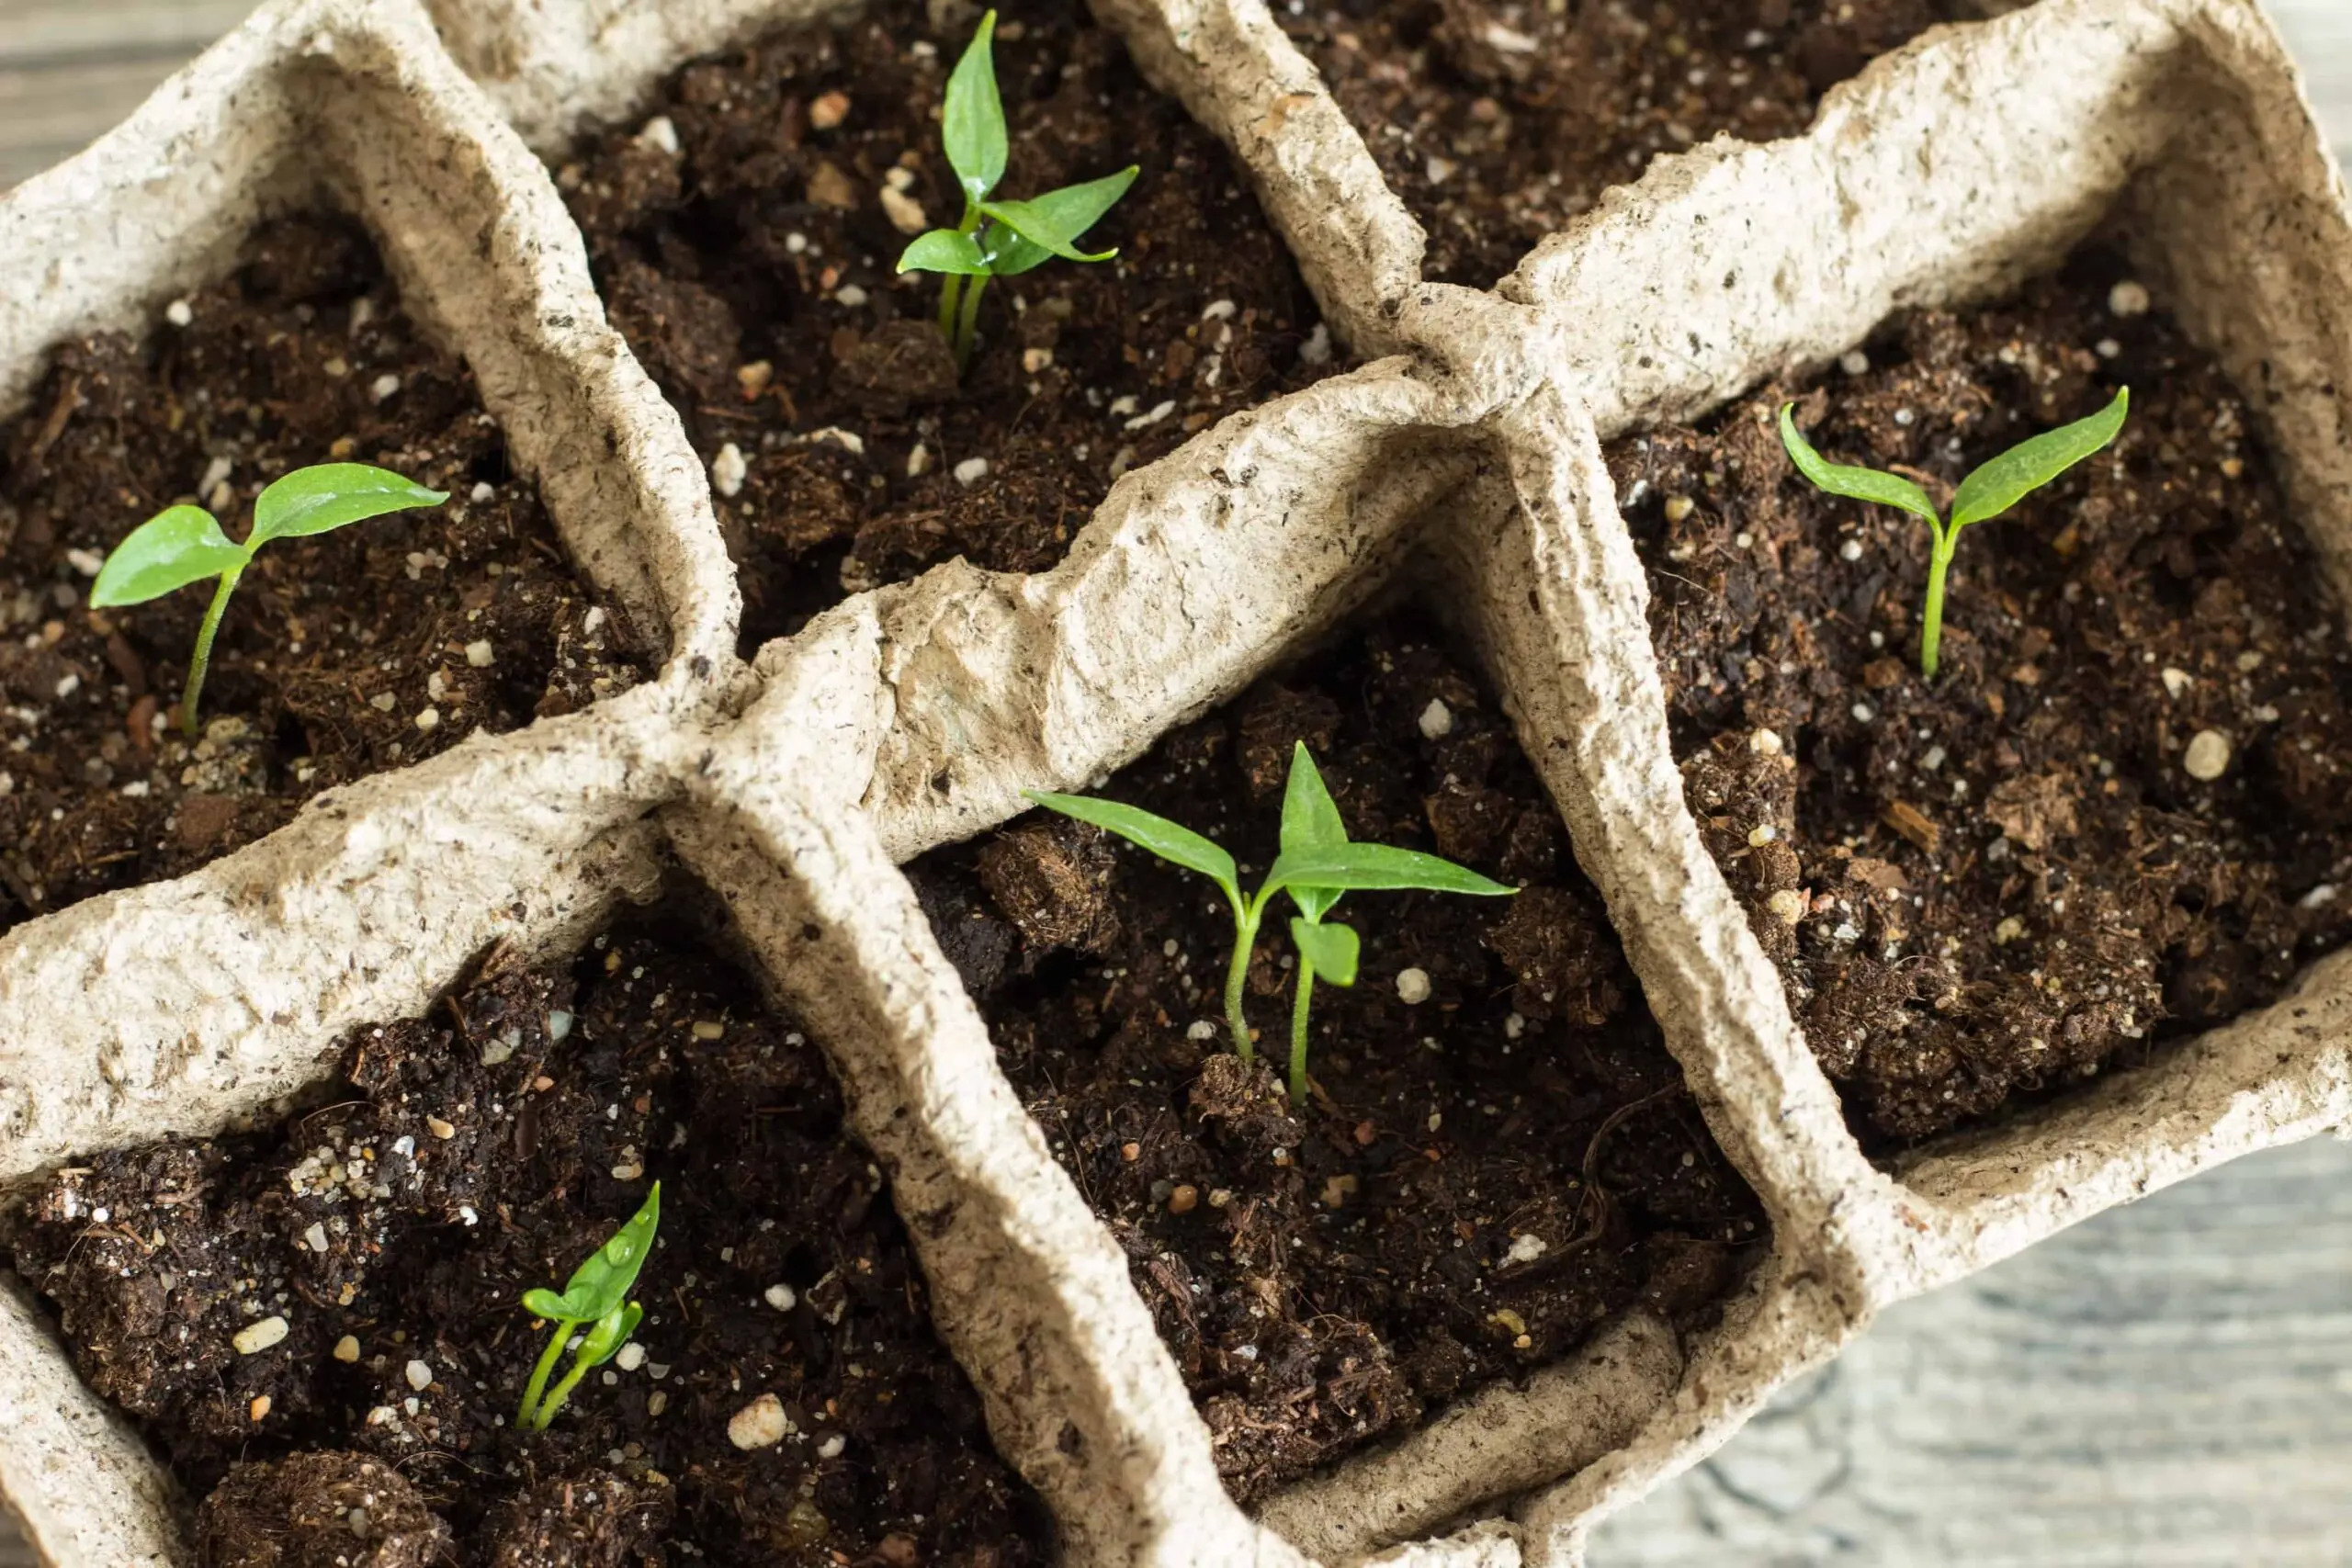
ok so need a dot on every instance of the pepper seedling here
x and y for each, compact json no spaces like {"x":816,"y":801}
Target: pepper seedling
{"x":182,"y":545}
{"x":1985,"y":493}
{"x":996,"y":239}
{"x":1317,"y":865}
{"x":596,"y":1297}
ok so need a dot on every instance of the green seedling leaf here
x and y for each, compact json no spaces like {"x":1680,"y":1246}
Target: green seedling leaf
{"x":1332,"y":949}
{"x":1310,"y":823}
{"x":2027,"y":467}
{"x":1053,"y":222}
{"x":176,"y":547}
{"x":1171,"y":842}
{"x":329,"y":496}
{"x":972,"y":120}
{"x":612,"y":1331}
{"x":1377,"y":867}
{"x":944,"y":250}
{"x":601,"y":1284}
{"x":1861,"y":484}
{"x":553,"y":1307}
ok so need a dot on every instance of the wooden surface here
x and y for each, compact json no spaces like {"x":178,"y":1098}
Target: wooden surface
{"x":2168,"y":1387}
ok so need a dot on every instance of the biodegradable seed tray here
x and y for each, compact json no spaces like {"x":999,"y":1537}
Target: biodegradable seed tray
{"x":914,"y":714}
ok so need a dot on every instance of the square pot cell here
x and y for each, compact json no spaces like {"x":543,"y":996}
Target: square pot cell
{"x":745,"y":231}
{"x":1497,"y":1158}
{"x":342,"y":655}
{"x":324,"y":1315}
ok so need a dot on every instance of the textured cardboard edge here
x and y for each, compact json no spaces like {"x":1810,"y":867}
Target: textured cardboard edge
{"x":1027,"y":1288}
{"x":72,"y":1468}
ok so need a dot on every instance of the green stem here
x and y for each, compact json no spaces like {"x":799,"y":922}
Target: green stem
{"x":554,"y":1401}
{"x":969,"y":320}
{"x":203,"y":658}
{"x":951,"y":289}
{"x":1245,"y":938}
{"x":1931,"y":628}
{"x":537,"y":1385}
{"x":1298,"y":1031}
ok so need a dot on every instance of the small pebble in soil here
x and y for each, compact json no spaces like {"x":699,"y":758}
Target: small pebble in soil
{"x":317,"y":1236}
{"x":1787,"y":905}
{"x":255,"y":1338}
{"x":1679,"y":508}
{"x":1412,"y":986}
{"x":1765,"y":742}
{"x":178,"y":313}
{"x":781,"y":1297}
{"x":727,"y":469}
{"x":833,"y":1446}
{"x":1201,"y":1029}
{"x":1854,"y":362}
{"x":2128,"y":298}
{"x":971,"y":471}
{"x":759,"y":1424}
{"x":1437,"y":720}
{"x":439,"y":1128}
{"x":259,"y":1408}
{"x":419,"y":1375}
{"x":346,"y":1349}
{"x":631,"y":1356}
{"x":1184,"y":1199}
{"x":1527,"y":1248}
{"x":2209,"y":756}
{"x":2177,"y":682}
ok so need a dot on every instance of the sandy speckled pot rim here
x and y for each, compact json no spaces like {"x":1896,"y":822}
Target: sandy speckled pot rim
{"x":1468,"y":441}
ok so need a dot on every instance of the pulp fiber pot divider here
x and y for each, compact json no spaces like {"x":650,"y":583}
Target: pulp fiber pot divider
{"x":914,"y":714}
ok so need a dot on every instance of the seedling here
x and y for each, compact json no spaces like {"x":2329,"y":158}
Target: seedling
{"x":181,"y":544}
{"x":996,"y":239}
{"x":597,"y":1297}
{"x":1318,"y":865}
{"x":1985,"y":493}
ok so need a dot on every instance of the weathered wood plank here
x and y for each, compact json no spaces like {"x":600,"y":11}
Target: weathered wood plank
{"x":2163,"y":1387}
{"x":53,"y":29}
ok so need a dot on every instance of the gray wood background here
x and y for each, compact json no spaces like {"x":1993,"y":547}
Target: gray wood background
{"x":2168,"y":1387}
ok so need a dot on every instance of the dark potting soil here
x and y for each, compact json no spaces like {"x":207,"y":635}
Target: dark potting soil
{"x":2009,"y":878}
{"x":342,"y":655}
{"x":1498,"y":120}
{"x":386,"y":1238}
{"x":1482,"y":1177}
{"x":745,"y":236}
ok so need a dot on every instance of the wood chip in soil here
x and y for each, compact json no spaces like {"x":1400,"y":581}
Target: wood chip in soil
{"x":1498,"y":120}
{"x":372,"y":1251}
{"x":745,"y":233}
{"x":342,"y":655}
{"x":1481,"y":1179}
{"x":1986,"y":888}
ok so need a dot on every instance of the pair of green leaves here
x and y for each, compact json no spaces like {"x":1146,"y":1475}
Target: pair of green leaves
{"x":597,"y":1295}
{"x":1985,"y":493}
{"x":600,"y":1286}
{"x":1318,"y":864}
{"x":182,"y":545}
{"x":999,"y":239}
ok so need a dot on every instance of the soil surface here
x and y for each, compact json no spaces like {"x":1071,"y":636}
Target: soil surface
{"x":1483,"y":1176}
{"x":1498,"y":120}
{"x":384,"y":1240}
{"x":342,"y":655}
{"x":2004,"y":880}
{"x":745,"y":235}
